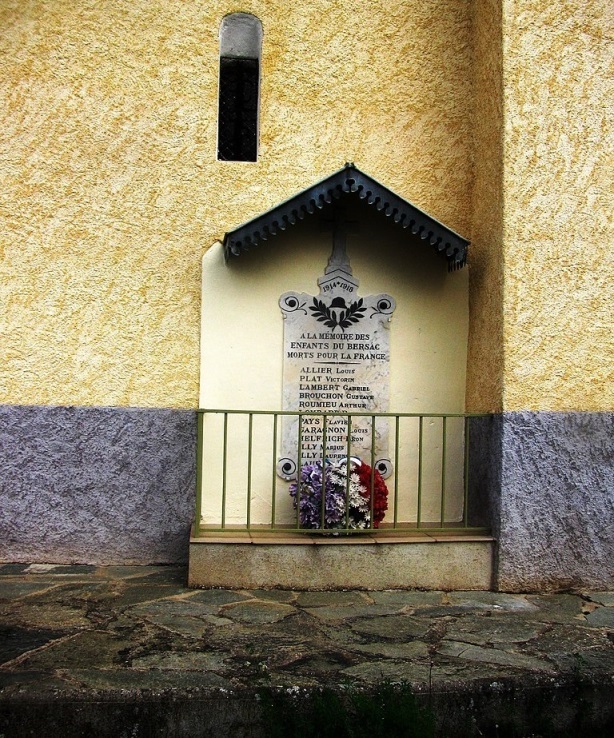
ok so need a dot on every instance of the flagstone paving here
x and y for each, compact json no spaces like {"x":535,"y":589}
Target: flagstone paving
{"x":70,"y":629}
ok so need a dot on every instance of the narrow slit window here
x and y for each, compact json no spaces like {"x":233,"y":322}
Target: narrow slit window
{"x":239,"y":87}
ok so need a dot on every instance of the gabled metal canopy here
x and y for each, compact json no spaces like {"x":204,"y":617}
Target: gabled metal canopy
{"x":349,"y":182}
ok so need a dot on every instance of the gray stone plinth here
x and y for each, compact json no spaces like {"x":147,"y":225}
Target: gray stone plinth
{"x":553,"y":510}
{"x":96,"y":485}
{"x":437,"y":565}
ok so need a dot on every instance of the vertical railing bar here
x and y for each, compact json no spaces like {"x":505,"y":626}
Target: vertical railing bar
{"x":299,"y":461}
{"x":199,"y":472}
{"x":200,"y":442}
{"x":348,"y":470}
{"x":396,"y":472}
{"x":224,"y":462}
{"x":274,"y":479}
{"x":323,"y":495}
{"x":420,"y":441}
{"x":443,"y":470}
{"x":372,"y":470}
{"x":250,"y":439}
{"x":466,"y":478}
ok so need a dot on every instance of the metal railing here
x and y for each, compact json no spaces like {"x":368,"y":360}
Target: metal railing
{"x":239,"y":487}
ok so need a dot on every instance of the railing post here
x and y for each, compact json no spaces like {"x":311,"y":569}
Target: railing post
{"x":466,"y":476}
{"x":299,"y":462}
{"x":199,"y":471}
{"x":396,"y":471}
{"x":454,"y":487}
{"x":443,"y":470}
{"x":372,"y":471}
{"x":224,"y":470}
{"x":419,"y":501}
{"x":250,"y":431}
{"x":274,"y":476}
{"x":323,"y":501}
{"x":347,"y":469}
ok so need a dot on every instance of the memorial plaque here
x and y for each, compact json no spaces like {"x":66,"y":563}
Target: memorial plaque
{"x":336,"y":359}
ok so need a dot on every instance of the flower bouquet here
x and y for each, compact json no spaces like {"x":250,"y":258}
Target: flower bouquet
{"x":356,"y":514}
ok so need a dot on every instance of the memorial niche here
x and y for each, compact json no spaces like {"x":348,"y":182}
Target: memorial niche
{"x":336,"y":360}
{"x":285,"y":250}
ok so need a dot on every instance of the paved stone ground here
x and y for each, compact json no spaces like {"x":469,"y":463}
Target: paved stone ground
{"x":96,"y":633}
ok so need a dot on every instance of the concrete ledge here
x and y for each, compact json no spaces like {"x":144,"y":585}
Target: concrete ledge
{"x":333,"y":564}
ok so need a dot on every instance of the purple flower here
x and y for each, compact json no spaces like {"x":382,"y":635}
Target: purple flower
{"x":309,"y":493}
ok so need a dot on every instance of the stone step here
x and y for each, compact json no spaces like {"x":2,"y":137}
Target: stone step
{"x":251,"y":560}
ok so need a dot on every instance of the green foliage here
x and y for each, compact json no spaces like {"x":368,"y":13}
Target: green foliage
{"x":390,"y":711}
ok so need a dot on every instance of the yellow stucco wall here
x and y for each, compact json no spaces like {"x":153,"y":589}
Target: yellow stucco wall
{"x":542,"y":275}
{"x":497,"y":122}
{"x":485,"y":349}
{"x":111,"y":190}
{"x":557,"y":182}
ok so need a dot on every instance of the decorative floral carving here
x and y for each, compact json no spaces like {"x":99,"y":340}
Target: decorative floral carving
{"x":338,"y":314}
{"x":385,"y":306}
{"x":291,"y":302}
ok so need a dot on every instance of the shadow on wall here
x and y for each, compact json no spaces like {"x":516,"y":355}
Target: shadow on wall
{"x":485,"y":443}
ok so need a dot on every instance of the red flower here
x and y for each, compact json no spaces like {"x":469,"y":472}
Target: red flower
{"x":380,"y":497}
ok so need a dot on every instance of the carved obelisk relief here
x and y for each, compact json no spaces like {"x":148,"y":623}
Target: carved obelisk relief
{"x":336,"y":360}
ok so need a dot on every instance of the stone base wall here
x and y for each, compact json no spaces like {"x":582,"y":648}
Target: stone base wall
{"x":96,"y":485}
{"x":117,"y":486}
{"x":550,"y":481}
{"x":342,"y":564}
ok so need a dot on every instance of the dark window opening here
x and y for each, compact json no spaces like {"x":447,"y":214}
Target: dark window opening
{"x":238,"y":109}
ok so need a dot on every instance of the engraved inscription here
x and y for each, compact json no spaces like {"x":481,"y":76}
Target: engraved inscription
{"x":336,"y":359}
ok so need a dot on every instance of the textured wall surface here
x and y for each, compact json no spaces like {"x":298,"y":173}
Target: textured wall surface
{"x":485,"y":444}
{"x":555,"y":507}
{"x":541,"y":317}
{"x":112,"y":192}
{"x":496,"y":122}
{"x":96,"y":485}
{"x":558,"y":92}
{"x":485,"y":347}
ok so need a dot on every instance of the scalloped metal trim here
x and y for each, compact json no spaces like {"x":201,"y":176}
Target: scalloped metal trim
{"x":349,"y":180}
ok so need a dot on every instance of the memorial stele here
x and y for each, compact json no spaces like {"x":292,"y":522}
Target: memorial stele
{"x":336,"y":360}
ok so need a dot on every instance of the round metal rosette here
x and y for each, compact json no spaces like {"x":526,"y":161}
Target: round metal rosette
{"x":292,"y":302}
{"x":286,"y":469}
{"x":384,"y":467}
